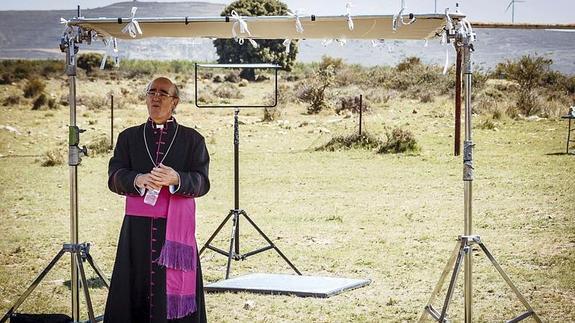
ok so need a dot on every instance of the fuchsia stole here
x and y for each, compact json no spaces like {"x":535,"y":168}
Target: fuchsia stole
{"x":179,"y":253}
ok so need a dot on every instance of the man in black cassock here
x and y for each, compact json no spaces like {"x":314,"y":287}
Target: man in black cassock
{"x":157,"y":155}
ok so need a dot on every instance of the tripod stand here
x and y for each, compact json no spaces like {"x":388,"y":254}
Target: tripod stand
{"x":235,"y":214}
{"x":79,"y":252}
{"x":463,"y":251}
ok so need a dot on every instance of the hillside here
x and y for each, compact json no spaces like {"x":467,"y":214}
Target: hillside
{"x":37,"y":32}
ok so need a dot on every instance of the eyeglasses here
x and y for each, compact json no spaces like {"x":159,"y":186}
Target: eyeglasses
{"x":161,"y":95}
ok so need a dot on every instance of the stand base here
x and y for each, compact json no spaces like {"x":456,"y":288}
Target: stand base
{"x":234,"y":249}
{"x":82,"y":253}
{"x":303,"y":286}
{"x":461,"y":250}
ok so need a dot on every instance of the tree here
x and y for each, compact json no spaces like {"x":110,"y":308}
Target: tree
{"x":268,"y":51}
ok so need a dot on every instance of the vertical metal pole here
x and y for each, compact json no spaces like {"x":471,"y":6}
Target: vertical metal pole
{"x":360,"y":112}
{"x":72,"y":154}
{"x":457,"y":137}
{"x":468,"y":175}
{"x":568,"y":136}
{"x":237,"y":178}
{"x":112,"y":121}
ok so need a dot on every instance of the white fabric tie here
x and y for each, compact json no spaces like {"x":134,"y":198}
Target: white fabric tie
{"x":398,"y":18}
{"x":348,"y":6}
{"x":298,"y":28}
{"x":111,"y":50}
{"x":448,"y":29}
{"x":243,"y":26}
{"x":298,"y":24}
{"x":133,"y":27}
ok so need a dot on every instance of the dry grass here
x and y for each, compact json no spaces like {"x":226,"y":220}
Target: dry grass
{"x":349,"y":213}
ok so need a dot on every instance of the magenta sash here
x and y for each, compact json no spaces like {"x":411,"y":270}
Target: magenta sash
{"x":179,"y":253}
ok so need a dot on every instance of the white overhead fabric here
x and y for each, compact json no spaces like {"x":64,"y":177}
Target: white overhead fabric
{"x":273,"y":27}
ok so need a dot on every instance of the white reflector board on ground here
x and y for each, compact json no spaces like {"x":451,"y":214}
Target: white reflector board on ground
{"x":280,"y":284}
{"x":425,"y":26}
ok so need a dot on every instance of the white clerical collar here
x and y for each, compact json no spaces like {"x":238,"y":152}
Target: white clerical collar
{"x":161,"y":126}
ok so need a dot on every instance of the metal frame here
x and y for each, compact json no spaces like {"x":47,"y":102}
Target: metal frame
{"x":569,"y":117}
{"x":79,"y":252}
{"x":462,"y":255}
{"x":235,"y":214}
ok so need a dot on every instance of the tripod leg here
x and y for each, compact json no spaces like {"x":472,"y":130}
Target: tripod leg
{"x":437,"y":290}
{"x":232,"y":240}
{"x":462,"y":251}
{"x":216,"y":232}
{"x":530,"y":310}
{"x":32,"y":286}
{"x":98,"y":270}
{"x":270,"y":242}
{"x":85,"y":287}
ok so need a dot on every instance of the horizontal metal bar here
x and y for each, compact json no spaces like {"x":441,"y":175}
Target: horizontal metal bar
{"x":188,"y":20}
{"x":218,"y":250}
{"x":251,"y":253}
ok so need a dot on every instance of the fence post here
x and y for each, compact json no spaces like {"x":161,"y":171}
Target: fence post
{"x":112,"y":121}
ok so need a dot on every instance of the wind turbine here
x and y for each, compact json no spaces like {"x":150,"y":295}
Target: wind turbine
{"x":512,"y":5}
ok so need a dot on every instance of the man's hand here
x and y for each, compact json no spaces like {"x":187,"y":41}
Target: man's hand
{"x":164,"y":175}
{"x":146,"y":181}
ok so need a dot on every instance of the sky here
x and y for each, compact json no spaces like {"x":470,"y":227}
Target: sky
{"x":526,"y":11}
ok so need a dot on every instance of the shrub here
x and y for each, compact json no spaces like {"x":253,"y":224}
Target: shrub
{"x":90,"y":62}
{"x":40,"y":101}
{"x":351,"y":103}
{"x":426,"y":97}
{"x":530,"y":73}
{"x":354,"y":141}
{"x":99,"y":146}
{"x":232,"y":77}
{"x":34,"y":87}
{"x":11,"y":100}
{"x":315,"y":91}
{"x":228,"y":91}
{"x":272,"y":114}
{"x":408,"y":63}
{"x":399,"y":141}
{"x":96,"y":102}
{"x":53,"y":157}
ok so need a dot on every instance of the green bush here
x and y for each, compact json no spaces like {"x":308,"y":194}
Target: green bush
{"x":354,"y":141}
{"x":399,"y":141}
{"x":530,"y":73}
{"x":34,"y":87}
{"x":16,"y":70}
{"x":90,"y":62}
{"x":314,"y":91}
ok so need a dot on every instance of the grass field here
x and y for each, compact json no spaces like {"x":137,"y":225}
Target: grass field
{"x":390,"y":218}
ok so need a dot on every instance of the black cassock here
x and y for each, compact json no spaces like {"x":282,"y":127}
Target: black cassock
{"x":138,"y":287}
